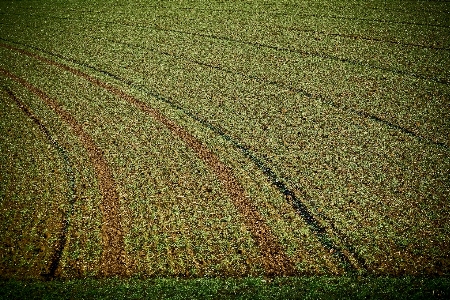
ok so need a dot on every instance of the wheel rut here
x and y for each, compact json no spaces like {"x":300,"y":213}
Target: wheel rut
{"x":274,"y":258}
{"x":278,"y":48}
{"x":112,"y":260}
{"x":349,"y":109}
{"x":349,"y":259}
{"x":71,"y":193}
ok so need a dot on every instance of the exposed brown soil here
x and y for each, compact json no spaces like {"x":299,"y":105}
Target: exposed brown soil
{"x":112,"y":235}
{"x":274,"y":259}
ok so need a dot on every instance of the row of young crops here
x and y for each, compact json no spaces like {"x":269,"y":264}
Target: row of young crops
{"x":224,"y":139}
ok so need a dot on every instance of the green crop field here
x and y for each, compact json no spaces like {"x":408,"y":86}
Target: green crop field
{"x":239,"y":146}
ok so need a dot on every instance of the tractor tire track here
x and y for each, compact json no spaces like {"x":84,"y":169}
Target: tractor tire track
{"x":71,"y":194}
{"x":372,"y":20}
{"x":112,"y":262}
{"x":324,"y":56}
{"x":300,"y":91}
{"x":274,"y":259}
{"x":349,"y":61}
{"x":282,"y":13}
{"x":312,"y":15}
{"x":364,"y":38}
{"x":323,"y":99}
{"x":289,"y":6}
{"x":346,"y":254}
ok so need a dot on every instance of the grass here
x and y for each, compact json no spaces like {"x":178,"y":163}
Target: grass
{"x":246,"y":288}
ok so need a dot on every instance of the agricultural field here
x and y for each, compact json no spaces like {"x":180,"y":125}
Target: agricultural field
{"x":224,"y":139}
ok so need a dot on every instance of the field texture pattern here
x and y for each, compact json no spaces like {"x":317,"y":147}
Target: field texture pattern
{"x":224,"y":138}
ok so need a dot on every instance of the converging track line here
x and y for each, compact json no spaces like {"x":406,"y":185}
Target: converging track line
{"x":318,"y":16}
{"x":300,"y":91}
{"x":284,"y":13}
{"x":71,"y":194}
{"x":374,"y":20}
{"x":359,"y":63}
{"x":323,"y":99}
{"x":274,"y":259}
{"x":317,"y":229}
{"x":112,"y":235}
{"x":298,"y":205}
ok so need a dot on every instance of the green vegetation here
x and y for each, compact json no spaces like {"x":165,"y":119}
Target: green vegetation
{"x":247,"y":288}
{"x":229,"y":133}
{"x":29,"y":229}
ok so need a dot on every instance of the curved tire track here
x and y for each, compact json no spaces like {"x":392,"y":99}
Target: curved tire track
{"x":374,"y":118}
{"x":112,"y":235}
{"x":343,"y":253}
{"x":318,"y":16}
{"x":284,"y":13}
{"x":317,"y":229}
{"x":372,"y":20}
{"x":274,"y":259}
{"x":324,"y":56}
{"x":300,"y":91}
{"x":68,"y":169}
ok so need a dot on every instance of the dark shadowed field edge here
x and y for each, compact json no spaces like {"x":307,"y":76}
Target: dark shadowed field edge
{"x":230,"y":288}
